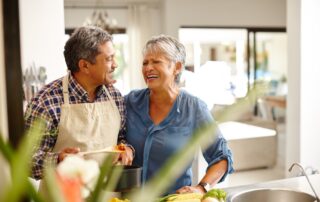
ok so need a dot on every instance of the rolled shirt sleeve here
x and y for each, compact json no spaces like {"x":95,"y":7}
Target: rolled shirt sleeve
{"x":217,"y":152}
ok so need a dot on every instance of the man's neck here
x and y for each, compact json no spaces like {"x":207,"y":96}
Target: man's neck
{"x":86,"y":85}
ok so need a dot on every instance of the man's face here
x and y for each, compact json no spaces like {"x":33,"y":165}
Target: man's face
{"x":101,"y":72}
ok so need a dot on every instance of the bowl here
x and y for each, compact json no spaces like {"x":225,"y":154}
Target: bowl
{"x":272,"y":195}
{"x":130,"y":179}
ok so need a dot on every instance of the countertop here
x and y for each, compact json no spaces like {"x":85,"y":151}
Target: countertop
{"x":276,"y":101}
{"x":295,"y":183}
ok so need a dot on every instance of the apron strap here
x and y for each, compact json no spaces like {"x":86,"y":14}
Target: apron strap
{"x":108,"y":94}
{"x":65,"y":83}
{"x":110,"y":98}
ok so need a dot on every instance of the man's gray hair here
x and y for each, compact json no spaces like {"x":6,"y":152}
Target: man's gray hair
{"x":84,"y":44}
{"x":171,"y":47}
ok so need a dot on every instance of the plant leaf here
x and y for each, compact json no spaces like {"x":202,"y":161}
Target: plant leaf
{"x":20,"y":163}
{"x":113,"y":177}
{"x":106,"y":168}
{"x":51,"y":185}
{"x":6,"y":149}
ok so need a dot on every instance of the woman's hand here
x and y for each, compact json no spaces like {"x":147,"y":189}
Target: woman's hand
{"x":191,"y":189}
{"x":125,"y":157}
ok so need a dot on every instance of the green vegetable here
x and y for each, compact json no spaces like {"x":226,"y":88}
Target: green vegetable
{"x":216,"y":193}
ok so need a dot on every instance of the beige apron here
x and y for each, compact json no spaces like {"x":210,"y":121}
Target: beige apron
{"x":89,"y":126}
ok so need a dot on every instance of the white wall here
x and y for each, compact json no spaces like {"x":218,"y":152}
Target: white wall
{"x":294,"y":82}
{"x":42,"y":35}
{"x":310,"y":72}
{"x":4,"y":169}
{"x":223,"y":13}
{"x":303,"y":110}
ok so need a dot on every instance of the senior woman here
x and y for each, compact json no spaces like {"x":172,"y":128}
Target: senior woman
{"x":162,"y":118}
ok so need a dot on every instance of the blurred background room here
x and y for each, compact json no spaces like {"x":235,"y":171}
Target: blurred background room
{"x":231,"y":46}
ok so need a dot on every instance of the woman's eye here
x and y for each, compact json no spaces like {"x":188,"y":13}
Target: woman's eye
{"x":151,"y":63}
{"x":156,"y":62}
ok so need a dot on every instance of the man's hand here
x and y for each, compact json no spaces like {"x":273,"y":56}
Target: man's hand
{"x":191,"y":189}
{"x":67,"y":151}
{"x":126,"y":157}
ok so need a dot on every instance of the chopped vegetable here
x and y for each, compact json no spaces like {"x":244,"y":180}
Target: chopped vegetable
{"x":118,"y":200}
{"x":187,"y":197}
{"x":214,"y":195}
{"x":121,"y":147}
{"x":210,"y":199}
{"x":165,"y":198}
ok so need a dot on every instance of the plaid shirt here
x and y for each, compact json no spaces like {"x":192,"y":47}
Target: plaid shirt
{"x":46,"y":105}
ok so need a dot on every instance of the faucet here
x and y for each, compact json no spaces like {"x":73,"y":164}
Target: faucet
{"x":305,"y":174}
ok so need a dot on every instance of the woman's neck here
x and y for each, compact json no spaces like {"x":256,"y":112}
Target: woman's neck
{"x":161,"y":103}
{"x":164,"y":96}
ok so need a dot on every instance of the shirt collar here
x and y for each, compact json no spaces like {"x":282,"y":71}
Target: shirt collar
{"x":76,"y":88}
{"x":101,"y":91}
{"x":80,"y":92}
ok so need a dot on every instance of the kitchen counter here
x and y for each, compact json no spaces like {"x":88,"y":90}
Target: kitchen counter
{"x":296,"y":183}
{"x":276,"y":101}
{"x":247,"y":141}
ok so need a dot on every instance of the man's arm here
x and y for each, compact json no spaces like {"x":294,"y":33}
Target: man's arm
{"x":43,"y":153}
{"x":126,"y":157}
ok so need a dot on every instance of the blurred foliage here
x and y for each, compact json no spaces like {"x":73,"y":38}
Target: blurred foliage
{"x":19,"y":162}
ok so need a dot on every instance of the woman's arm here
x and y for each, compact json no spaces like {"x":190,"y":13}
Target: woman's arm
{"x":212,"y":177}
{"x":217,"y":154}
{"x":214,"y":174}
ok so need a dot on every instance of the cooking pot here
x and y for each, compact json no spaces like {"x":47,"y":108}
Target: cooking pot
{"x":130,"y":179}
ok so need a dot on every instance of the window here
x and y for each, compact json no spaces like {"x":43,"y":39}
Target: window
{"x":223,"y":63}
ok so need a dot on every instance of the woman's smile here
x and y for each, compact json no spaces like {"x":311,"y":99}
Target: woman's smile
{"x":151,"y":77}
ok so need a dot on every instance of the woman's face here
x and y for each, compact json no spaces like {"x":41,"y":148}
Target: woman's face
{"x":158,"y":71}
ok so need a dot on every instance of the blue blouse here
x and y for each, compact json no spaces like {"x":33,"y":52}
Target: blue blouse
{"x":154,"y":144}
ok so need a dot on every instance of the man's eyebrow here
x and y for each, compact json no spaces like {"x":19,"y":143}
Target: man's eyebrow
{"x":111,"y":55}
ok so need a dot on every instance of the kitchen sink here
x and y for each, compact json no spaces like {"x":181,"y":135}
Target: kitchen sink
{"x":271,"y":195}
